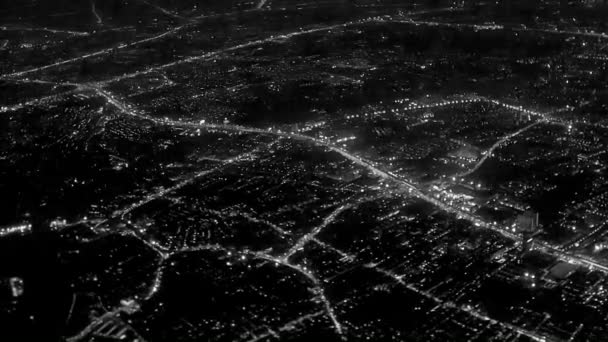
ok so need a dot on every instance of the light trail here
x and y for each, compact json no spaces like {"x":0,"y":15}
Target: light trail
{"x":23,"y":228}
{"x":578,"y":329}
{"x":95,"y":14}
{"x":275,"y":38}
{"x":212,"y":54}
{"x":45,"y":29}
{"x":161,"y":251}
{"x":74,"y":295}
{"x":327,"y":246}
{"x":412,"y":189}
{"x":378,"y":19}
{"x":162,"y":10}
{"x":118,"y":47}
{"x":43,"y":99}
{"x":108,"y":316}
{"x":276,"y":228}
{"x":92,"y":54}
{"x":157,"y":282}
{"x":124,"y":108}
{"x":489,"y":152}
{"x":597,"y":35}
{"x":192,"y":58}
{"x":313,"y":233}
{"x":164,"y":192}
{"x":595,"y":233}
{"x":408,"y":186}
{"x":35,"y":102}
{"x":464,"y":309}
{"x":310,"y":236}
{"x":447,"y":304}
{"x":285,"y":327}
{"x":317,"y":288}
{"x":261,"y":4}
{"x":357,"y":160}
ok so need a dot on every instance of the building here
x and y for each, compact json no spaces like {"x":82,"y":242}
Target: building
{"x":467,"y":152}
{"x":527,"y":222}
{"x":11,"y":287}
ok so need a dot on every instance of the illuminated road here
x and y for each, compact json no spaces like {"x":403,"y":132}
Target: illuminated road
{"x":326,"y":221}
{"x":489,"y":152}
{"x":44,"y":29}
{"x":276,"y":332}
{"x":398,"y":182}
{"x":317,"y":288}
{"x":120,"y":46}
{"x":410,"y":188}
{"x":95,"y":13}
{"x":180,"y":28}
{"x":164,"y":192}
{"x":402,"y":19}
{"x":592,"y":235}
{"x":372,"y":168}
{"x":385,"y":19}
{"x":261,"y":4}
{"x":466,"y":309}
{"x":162,"y":10}
{"x":306,"y":238}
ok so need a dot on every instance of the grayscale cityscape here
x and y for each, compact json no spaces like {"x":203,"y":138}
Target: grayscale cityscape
{"x":314,"y":170}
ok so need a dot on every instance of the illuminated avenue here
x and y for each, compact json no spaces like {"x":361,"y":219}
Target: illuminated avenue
{"x":275,"y":170}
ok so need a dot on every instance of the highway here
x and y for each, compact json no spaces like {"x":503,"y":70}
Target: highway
{"x":408,"y":186}
{"x":447,"y":304}
{"x":373,"y":168}
{"x":593,"y":235}
{"x":311,"y":236}
{"x":488,"y":153}
{"x":412,"y":189}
